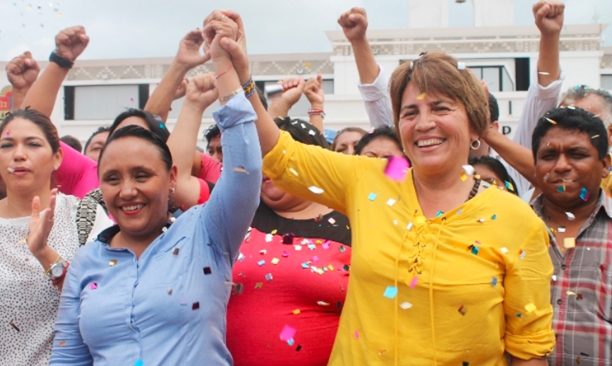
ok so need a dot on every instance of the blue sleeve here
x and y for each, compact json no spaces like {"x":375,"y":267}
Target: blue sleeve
{"x":232,"y":204}
{"x":68,"y":346}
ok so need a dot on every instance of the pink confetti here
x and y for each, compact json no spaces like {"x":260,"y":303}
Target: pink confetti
{"x":315,"y":259}
{"x":8,"y":133}
{"x":396,"y":169}
{"x":414,"y":281}
{"x":287,"y":333}
{"x":356,"y":335}
{"x":93,"y":286}
{"x":325,"y":245}
{"x":132,"y":100}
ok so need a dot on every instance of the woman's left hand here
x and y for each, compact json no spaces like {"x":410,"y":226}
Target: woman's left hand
{"x":40,"y":225}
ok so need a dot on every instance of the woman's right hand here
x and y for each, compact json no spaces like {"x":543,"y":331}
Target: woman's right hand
{"x":216,"y":27}
{"x":22,"y":71}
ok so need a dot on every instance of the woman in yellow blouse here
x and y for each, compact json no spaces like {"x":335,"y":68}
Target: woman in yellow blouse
{"x":443,"y":270}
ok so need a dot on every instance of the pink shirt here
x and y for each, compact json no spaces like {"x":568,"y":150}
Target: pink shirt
{"x":211,"y":169}
{"x":78,"y":174}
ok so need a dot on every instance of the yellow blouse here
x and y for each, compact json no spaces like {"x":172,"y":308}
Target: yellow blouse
{"x":471,"y":283}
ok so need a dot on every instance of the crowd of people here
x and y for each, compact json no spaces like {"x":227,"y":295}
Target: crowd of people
{"x":432,"y":239}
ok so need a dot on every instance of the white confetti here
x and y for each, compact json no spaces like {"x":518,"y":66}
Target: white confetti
{"x":331,"y":220}
{"x":409,"y":227}
{"x":504,"y":250}
{"x":405,"y":305}
{"x":391,"y":202}
{"x":293,"y":171}
{"x":269,"y":238}
{"x":469,"y":170}
{"x":240,"y":169}
{"x":461,"y":65}
{"x":570,"y":216}
{"x":322,"y":303}
{"x":315,"y":190}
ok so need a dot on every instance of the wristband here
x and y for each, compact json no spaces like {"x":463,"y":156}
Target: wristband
{"x":316,"y":112}
{"x":224,"y":72}
{"x":226,"y":98}
{"x":60,"y":61}
{"x":249,"y":87}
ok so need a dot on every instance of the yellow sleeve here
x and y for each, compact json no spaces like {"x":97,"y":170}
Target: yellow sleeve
{"x":315,"y":173}
{"x":527,"y":305}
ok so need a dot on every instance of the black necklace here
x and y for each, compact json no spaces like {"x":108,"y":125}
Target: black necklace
{"x":474,"y":189}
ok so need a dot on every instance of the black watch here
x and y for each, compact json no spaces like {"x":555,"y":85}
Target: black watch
{"x":62,"y":62}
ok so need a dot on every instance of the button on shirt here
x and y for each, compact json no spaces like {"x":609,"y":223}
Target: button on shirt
{"x":168,"y":306}
{"x":581,"y":290}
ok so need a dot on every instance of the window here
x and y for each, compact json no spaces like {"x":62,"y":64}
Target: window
{"x":102,"y":102}
{"x":496,"y":77}
{"x":606,"y":82}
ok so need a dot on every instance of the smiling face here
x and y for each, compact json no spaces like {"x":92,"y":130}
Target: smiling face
{"x":135,"y":188}
{"x":568,"y":159}
{"x":26,"y":157}
{"x":434,"y":131}
{"x":381,"y":147}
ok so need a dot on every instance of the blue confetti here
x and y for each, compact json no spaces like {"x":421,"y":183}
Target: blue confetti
{"x":261,"y":262}
{"x":475,"y":250}
{"x":372,"y":196}
{"x":440,"y":213}
{"x":139,"y":363}
{"x":162,"y":126}
{"x":391,"y":292}
{"x":584,"y":194}
{"x":494,"y":281}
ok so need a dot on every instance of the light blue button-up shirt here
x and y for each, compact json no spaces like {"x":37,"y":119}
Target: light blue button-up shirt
{"x":167,"y":307}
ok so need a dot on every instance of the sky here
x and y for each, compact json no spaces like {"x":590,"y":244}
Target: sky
{"x":153,"y":28}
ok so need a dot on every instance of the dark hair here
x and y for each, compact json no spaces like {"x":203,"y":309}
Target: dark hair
{"x":155,"y":123}
{"x":210,"y":133}
{"x":383,"y":132}
{"x":493,"y":109}
{"x":143,"y":134}
{"x":302,"y":131}
{"x":100,"y":130}
{"x":498,"y":168}
{"x":572,"y":119}
{"x":43,"y":122}
{"x":72,"y":141}
{"x":348,"y":129}
{"x":441,"y":73}
{"x":579,"y":92}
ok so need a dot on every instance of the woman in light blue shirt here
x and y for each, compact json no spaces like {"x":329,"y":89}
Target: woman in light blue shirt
{"x":152,"y":292}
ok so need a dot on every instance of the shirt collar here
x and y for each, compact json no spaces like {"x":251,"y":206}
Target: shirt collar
{"x":603,"y":202}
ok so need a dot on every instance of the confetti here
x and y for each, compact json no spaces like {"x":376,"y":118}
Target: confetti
{"x":322,"y":303}
{"x":494,"y":217}
{"x":263,"y":252}
{"x":169,"y":291}
{"x":391,"y":202}
{"x":93,"y":285}
{"x":318,"y":218}
{"x":269,"y":237}
{"x":298,"y":348}
{"x":594,"y":136}
{"x":459,"y":212}
{"x":175,"y":251}
{"x":288,"y":238}
{"x":414,"y":281}
{"x":305,"y":265}
{"x":315,"y":259}
{"x":207,"y":271}
{"x":469,"y":170}
{"x":162,"y":126}
{"x":584,"y":194}
{"x":316,"y":190}
{"x":409,"y":227}
{"x":139,"y":363}
{"x":10,"y":170}
{"x":474,"y":249}
{"x":275,"y":261}
{"x":569,"y":243}
{"x":269,"y":277}
{"x":240,"y":169}
{"x":346,"y":267}
{"x":297,"y":247}
{"x":405,"y":305}
{"x":195,"y":305}
{"x":522,"y":254}
{"x":543,"y":73}
{"x":325,"y":245}
{"x":293,"y":171}
{"x":285,"y":254}
{"x":561,"y":188}
{"x":397,"y":168}
{"x":462,"y":310}
{"x":7,"y":133}
{"x":261,"y":262}
{"x":504,"y":250}
{"x":290,"y":342}
{"x":551,"y":121}
{"x":132,"y":100}
{"x":296,"y":311}
{"x":509,"y":185}
{"x":440,"y":213}
{"x":342,"y":249}
{"x":530,"y":307}
{"x":61,"y":343}
{"x":287,"y":333}
{"x":561,"y":229}
{"x":480,"y":220}
{"x":422,"y":96}
{"x":12,"y":324}
{"x":112,"y":262}
{"x":518,"y":315}
{"x":494,"y":281}
{"x":372,"y":196}
{"x":390,"y":292}
{"x":570,"y":216}
{"x":331,"y":220}
{"x":460,"y":65}
{"x":554,"y":277}
{"x":463,"y":177}
{"x":356,"y":335}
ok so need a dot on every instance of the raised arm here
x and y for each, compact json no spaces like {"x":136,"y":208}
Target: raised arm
{"x":372,"y":82}
{"x":201,"y":93}
{"x":292,"y":91}
{"x":517,"y":156}
{"x":187,"y":57}
{"x":313,"y":90}
{"x":21,"y":72}
{"x":549,"y":20}
{"x":232,"y":205}
{"x":69,"y":44}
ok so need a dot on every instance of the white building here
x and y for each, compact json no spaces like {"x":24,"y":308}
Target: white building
{"x":502,"y":54}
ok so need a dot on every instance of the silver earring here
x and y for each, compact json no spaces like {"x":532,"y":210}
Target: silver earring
{"x":172,"y":190}
{"x":475,"y":145}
